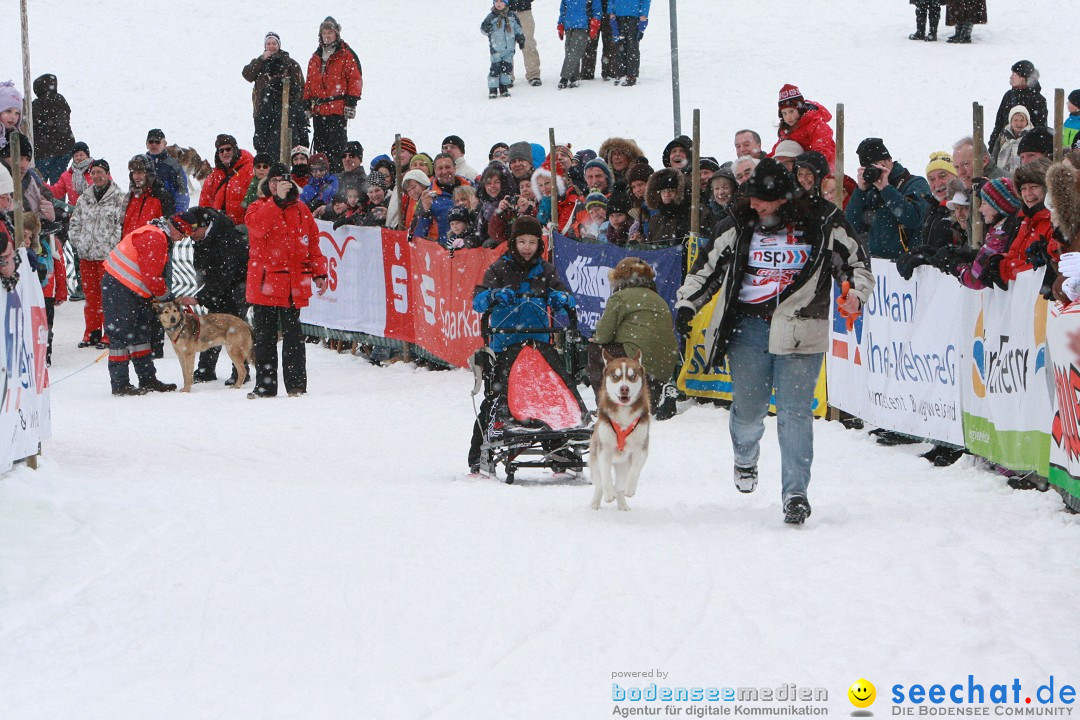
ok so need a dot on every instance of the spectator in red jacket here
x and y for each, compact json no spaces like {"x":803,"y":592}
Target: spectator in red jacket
{"x":332,"y":89}
{"x":283,"y":262}
{"x":227,"y":185}
{"x":74,"y":181}
{"x":147,"y":198}
{"x":1035,"y":238}
{"x":805,"y":122}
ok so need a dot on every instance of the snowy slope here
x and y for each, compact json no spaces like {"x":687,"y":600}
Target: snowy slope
{"x":205,"y":556}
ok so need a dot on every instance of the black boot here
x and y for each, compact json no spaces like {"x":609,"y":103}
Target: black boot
{"x":920,"y":24}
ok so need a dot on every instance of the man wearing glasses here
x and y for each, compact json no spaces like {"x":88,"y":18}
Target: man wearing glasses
{"x":167,"y":169}
{"x":227,"y":185}
{"x":353,"y":174}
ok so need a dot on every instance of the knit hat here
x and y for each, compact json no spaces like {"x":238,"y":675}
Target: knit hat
{"x":639,"y":171}
{"x":407,"y":145}
{"x":184,"y":222}
{"x":770,"y":181}
{"x":709,"y":163}
{"x":377,"y":179}
{"x":225,"y":139}
{"x":788,"y":148}
{"x":354,"y":147}
{"x":26,"y":148}
{"x":790,"y":97}
{"x":1022,"y":110}
{"x":1031,"y":173}
{"x":1040,"y":140}
{"x":872,"y":150}
{"x":319,"y":160}
{"x":455,"y":141}
{"x":458,"y":213}
{"x":426,"y":159}
{"x":141,"y":163}
{"x":598,"y":162}
{"x":155,"y":134}
{"x":10,"y":99}
{"x":1025,"y":69}
{"x":596,"y":198}
{"x":521,"y":151}
{"x":815,"y":162}
{"x":619,"y":203}
{"x":418,"y":176}
{"x":7,"y":186}
{"x":101,"y":163}
{"x":262,"y":159}
{"x":330,"y":23}
{"x":1074,"y":97}
{"x":584,"y":156}
{"x":496,"y":146}
{"x":999,"y":194}
{"x":299,"y":150}
{"x":278,"y":170}
{"x":274,"y":35}
{"x":525,"y":225}
{"x":666,"y":179}
{"x":940,"y":160}
{"x":80,"y":146}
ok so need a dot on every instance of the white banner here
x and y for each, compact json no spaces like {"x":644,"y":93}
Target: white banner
{"x":1008,"y":384}
{"x":25,"y":418}
{"x":898,"y":368}
{"x":356,"y":296}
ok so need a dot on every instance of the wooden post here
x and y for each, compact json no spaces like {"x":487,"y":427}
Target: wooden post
{"x":977,"y":171}
{"x":28,"y":107}
{"x":838,"y":171}
{"x":1059,"y":124}
{"x":695,"y":193}
{"x":397,"y":183}
{"x":554,"y":222}
{"x":16,"y":176}
{"x":286,"y":136}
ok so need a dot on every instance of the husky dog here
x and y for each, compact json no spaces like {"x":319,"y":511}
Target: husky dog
{"x":191,"y":334}
{"x":620,"y":439}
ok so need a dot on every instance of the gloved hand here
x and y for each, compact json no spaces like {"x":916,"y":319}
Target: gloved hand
{"x":521,"y":41}
{"x":560,"y":299}
{"x":1038,"y":253}
{"x":642,"y":24}
{"x":615,"y":36}
{"x":505,"y":296}
{"x":1069,"y":264}
{"x":594,"y":28}
{"x":683,"y":317}
{"x":991,"y":274}
{"x":1071,"y":288}
{"x":350,"y":112}
{"x":907,"y":262}
{"x":562,"y":31}
{"x":848,"y":304}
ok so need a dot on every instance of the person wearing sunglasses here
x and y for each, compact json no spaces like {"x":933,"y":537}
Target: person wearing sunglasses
{"x":167,"y":169}
{"x":227,"y":186}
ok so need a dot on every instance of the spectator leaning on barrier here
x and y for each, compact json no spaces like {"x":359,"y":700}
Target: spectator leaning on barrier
{"x":771,"y":320}
{"x":890,"y":210}
{"x":1034,"y":244}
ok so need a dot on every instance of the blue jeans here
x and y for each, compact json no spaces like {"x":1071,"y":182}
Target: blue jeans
{"x":52,"y":168}
{"x":754,"y":373}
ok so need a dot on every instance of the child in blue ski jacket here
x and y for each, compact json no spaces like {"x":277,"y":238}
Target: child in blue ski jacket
{"x":504,"y":32}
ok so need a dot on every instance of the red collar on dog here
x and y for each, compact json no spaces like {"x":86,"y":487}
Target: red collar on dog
{"x":621,"y":434}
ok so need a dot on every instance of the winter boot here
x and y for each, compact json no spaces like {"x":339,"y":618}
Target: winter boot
{"x":745,"y":478}
{"x":144,"y":369}
{"x":155,"y":385}
{"x":665,"y":404}
{"x":202,"y":375}
{"x":504,"y":91}
{"x":796,"y":510}
{"x":573,"y":83}
{"x":888,"y":438}
{"x":120,"y":379}
{"x":563,"y":82}
{"x":535,"y":82}
{"x":492,"y":93}
{"x":629,"y":80}
{"x":920,"y":24}
{"x":231,"y":382}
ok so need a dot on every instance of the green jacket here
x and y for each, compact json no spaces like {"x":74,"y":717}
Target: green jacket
{"x":639,"y":319}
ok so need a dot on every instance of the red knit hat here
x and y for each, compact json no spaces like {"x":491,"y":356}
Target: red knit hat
{"x":790,"y":96}
{"x":406,"y":144}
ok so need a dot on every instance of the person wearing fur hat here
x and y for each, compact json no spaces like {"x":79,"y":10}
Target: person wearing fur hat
{"x":1034,"y":244}
{"x":667,"y":199}
{"x":521,"y":270}
{"x":504,"y":34}
{"x":890,"y":211}
{"x":95,"y":231}
{"x":636,"y":319}
{"x":805,"y":122}
{"x":1063,"y":186}
{"x":620,"y":154}
{"x":146,"y":198}
{"x":319,"y":191}
{"x":284,"y":261}
{"x":771,"y":320}
{"x":335,"y":82}
{"x":1007,"y":152}
{"x":1024,"y":90}
{"x":268,"y":72}
{"x":964,"y":15}
{"x":227,"y":185}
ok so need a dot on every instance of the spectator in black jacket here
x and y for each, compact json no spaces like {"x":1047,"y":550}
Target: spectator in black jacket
{"x":1024,"y":90}
{"x":52,"y":129}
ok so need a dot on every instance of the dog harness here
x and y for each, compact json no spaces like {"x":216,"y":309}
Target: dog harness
{"x":621,"y":434}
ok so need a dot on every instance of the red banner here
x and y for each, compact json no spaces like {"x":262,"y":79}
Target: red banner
{"x":400,"y":300}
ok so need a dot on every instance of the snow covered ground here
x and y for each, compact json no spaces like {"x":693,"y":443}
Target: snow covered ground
{"x":206,"y":556}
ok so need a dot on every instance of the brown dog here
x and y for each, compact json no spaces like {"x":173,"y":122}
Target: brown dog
{"x":191,"y":334}
{"x":620,"y":440}
{"x":190,"y":161}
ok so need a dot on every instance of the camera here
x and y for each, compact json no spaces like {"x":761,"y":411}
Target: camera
{"x":513,"y":199}
{"x":871,"y":174}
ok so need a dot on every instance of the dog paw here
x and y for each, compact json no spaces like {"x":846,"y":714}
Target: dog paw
{"x":623,"y":505}
{"x":609,"y":498}
{"x":187,"y":390}
{"x":595,"y":504}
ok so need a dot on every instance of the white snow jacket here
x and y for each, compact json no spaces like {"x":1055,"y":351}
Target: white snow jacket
{"x":95,"y":225}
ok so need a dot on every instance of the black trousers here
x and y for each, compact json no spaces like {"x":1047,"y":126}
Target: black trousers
{"x":588,"y":62}
{"x":50,"y":315}
{"x":208,"y":358}
{"x":268,"y":320}
{"x":267,"y":138}
{"x":627,"y":51}
{"x":331,"y":136}
{"x":922,"y":8}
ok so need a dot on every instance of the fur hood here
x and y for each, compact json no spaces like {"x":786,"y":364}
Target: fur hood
{"x":652,"y":189}
{"x":632,"y":272}
{"x":627,"y":146}
{"x":1063,"y":185}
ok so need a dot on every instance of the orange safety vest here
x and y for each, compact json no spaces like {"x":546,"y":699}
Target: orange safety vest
{"x":123,"y":264}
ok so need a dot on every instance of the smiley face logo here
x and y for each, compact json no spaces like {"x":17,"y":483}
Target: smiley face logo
{"x":862,"y":693}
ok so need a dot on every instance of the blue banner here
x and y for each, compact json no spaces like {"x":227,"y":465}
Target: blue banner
{"x":583,"y":267}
